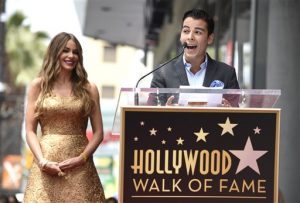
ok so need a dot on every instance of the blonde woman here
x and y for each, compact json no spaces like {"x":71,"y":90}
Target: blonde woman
{"x":61,"y":100}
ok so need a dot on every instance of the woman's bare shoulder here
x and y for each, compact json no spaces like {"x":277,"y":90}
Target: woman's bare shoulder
{"x":36,"y":82}
{"x":35,"y":86}
{"x":92,"y":88}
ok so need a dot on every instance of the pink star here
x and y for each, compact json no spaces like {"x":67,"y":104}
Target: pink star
{"x":257,"y":130}
{"x":248,"y":157}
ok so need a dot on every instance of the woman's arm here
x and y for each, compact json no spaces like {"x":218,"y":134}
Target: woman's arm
{"x":96,"y":122}
{"x":31,"y":121}
{"x":31,"y":128}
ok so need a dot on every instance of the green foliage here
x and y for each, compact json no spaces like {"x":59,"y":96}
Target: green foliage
{"x":16,"y":20}
{"x":25,"y":50}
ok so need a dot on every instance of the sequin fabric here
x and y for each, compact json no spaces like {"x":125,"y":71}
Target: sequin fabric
{"x":63,"y":136}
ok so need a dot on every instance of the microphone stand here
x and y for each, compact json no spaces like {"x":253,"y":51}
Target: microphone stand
{"x":136,"y":94}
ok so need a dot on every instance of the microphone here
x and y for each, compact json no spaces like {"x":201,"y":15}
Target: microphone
{"x":136,"y":96}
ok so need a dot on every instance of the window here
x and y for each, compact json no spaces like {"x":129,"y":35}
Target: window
{"x":109,"y":54}
{"x":108,"y":92}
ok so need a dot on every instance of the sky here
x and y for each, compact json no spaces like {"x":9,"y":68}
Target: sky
{"x":51,"y":16}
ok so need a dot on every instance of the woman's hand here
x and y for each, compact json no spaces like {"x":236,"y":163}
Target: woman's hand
{"x":52,"y":168}
{"x":71,"y":163}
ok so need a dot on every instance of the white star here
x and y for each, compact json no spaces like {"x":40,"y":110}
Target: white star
{"x":136,"y":139}
{"x":163,"y":141}
{"x":227,"y":126}
{"x":248,"y":157}
{"x":180,"y":141}
{"x":257,"y":130}
{"x":169,"y":129}
{"x":152,"y":131}
{"x":201,"y":135}
{"x":142,"y":123}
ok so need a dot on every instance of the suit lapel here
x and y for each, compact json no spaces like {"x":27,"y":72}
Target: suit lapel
{"x":210,"y":72}
{"x":180,"y":72}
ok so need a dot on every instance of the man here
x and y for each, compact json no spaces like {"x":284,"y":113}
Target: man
{"x":196,"y":67}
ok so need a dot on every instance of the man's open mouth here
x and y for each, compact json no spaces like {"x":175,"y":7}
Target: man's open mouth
{"x":191,"y":46}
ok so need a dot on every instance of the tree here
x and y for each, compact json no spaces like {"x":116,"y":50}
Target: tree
{"x":24,"y":49}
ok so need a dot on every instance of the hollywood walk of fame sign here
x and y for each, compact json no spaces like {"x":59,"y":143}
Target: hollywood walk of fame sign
{"x":211,"y":155}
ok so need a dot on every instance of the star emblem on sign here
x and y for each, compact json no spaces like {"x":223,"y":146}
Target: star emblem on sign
{"x":248,"y":157}
{"x":257,"y":130}
{"x":227,"y":127}
{"x":152,"y":131}
{"x":201,"y":135}
{"x":180,"y":141}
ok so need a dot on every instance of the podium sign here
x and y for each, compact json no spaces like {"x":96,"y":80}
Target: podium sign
{"x":192,"y":154}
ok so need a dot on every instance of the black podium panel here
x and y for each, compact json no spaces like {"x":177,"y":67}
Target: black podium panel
{"x":192,"y":155}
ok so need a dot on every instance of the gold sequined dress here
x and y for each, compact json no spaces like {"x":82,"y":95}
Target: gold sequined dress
{"x":63,"y":136}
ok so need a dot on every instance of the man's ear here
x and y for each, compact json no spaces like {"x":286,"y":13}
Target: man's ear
{"x":210,"y":38}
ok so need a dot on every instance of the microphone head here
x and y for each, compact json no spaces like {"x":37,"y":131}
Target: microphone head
{"x":184,"y":45}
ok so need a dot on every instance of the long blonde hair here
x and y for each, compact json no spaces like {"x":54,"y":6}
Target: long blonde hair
{"x":51,"y":69}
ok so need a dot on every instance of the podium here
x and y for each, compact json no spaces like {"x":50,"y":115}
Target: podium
{"x":209,"y":145}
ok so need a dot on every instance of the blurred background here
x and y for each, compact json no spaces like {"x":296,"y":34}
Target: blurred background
{"x":123,"y":40}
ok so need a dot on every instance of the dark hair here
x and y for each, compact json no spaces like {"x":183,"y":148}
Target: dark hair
{"x":200,"y":14}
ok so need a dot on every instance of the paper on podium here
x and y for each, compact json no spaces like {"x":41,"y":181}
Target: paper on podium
{"x":200,"y":99}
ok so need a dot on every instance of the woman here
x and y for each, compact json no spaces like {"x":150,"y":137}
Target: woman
{"x":62,"y":100}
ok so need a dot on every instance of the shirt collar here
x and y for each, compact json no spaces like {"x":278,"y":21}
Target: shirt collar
{"x":188,"y":66}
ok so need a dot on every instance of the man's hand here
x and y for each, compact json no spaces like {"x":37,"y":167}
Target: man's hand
{"x":170,"y":101}
{"x":225,"y":103}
